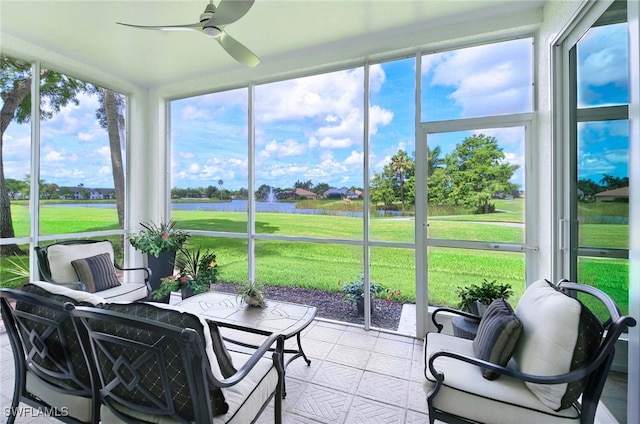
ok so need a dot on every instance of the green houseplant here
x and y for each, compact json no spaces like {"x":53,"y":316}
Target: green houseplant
{"x":252,"y":293}
{"x":353,"y":292}
{"x":160,"y":242}
{"x":197,"y":270}
{"x":475,"y":298}
{"x":155,"y":239}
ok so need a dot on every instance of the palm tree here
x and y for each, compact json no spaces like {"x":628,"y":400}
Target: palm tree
{"x":401,"y":165}
{"x":434,"y":159}
{"x":220,"y":182}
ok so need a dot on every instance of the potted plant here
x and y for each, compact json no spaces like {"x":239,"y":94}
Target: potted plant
{"x":353,"y":292}
{"x":252,"y":293}
{"x":197,"y":270}
{"x":160,"y":242}
{"x":476,"y":298}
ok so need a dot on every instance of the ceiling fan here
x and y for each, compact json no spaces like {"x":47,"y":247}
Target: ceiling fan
{"x":212,"y":22}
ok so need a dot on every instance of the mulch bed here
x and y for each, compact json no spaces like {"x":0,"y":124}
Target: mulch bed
{"x":330,"y":304}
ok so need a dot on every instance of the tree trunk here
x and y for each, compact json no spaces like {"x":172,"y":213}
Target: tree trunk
{"x":115,"y":121}
{"x":11,"y":103}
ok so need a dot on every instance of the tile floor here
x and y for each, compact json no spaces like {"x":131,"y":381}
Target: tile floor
{"x":355,"y":376}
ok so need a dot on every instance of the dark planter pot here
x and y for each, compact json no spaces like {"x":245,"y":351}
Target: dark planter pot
{"x":360,"y":306}
{"x":186,"y":292}
{"x":161,"y":267}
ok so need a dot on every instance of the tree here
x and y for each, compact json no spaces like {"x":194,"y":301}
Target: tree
{"x":382,"y":189}
{"x":111,"y":117}
{"x":477,"y":170}
{"x":611,"y":183}
{"x":321,"y":188}
{"x":220,"y":183}
{"x":307,"y":185}
{"x":56,"y":90}
{"x":434,"y":160}
{"x":401,"y":166}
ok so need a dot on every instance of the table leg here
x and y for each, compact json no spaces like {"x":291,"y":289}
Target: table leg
{"x":307,"y":360}
{"x":280,"y":350}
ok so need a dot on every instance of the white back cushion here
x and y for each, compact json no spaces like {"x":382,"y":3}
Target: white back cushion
{"x":60,"y":257}
{"x":78,"y":295}
{"x":550,"y":322}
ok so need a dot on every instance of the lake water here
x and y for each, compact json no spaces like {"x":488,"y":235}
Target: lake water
{"x":235,"y":206}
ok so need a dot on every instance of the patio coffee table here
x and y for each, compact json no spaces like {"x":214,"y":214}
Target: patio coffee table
{"x":284,"y":318}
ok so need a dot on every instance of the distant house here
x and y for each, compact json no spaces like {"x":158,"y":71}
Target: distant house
{"x":611,"y":195}
{"x":335,"y":193}
{"x":300,"y":192}
{"x":84,"y":193}
{"x":342,"y":193}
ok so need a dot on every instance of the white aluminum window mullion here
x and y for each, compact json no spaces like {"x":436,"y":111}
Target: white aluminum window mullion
{"x":251,"y":204}
{"x":421,"y":249}
{"x":34,"y":198}
{"x":365,"y":212}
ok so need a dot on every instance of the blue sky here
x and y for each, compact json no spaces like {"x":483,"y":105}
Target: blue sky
{"x":312,"y":128}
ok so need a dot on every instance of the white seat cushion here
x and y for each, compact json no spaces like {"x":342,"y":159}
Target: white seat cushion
{"x":125,"y":292}
{"x":505,"y":400}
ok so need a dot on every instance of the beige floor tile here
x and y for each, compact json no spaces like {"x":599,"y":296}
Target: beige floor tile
{"x":365,"y":411}
{"x":383,"y":388}
{"x":401,"y":349}
{"x":389,"y":365}
{"x":350,"y":356}
{"x":323,"y":404}
{"x":339,"y":377}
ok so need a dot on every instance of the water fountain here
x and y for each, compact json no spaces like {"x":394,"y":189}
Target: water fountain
{"x":271,"y":197}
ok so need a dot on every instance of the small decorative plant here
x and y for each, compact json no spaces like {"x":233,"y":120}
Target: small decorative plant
{"x":252,"y":293}
{"x":197,"y":270}
{"x":353,"y":292}
{"x":485,"y":293}
{"x":157,"y":238}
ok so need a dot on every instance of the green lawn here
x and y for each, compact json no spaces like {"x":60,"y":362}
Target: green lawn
{"x":323,"y":265}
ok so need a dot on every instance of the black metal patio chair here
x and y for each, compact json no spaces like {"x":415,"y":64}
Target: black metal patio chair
{"x":51,"y":373}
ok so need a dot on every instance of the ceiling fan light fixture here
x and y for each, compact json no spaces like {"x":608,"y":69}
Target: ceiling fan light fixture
{"x":213,"y":32}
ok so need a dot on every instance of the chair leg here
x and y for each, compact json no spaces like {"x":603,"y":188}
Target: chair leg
{"x":18,"y":388}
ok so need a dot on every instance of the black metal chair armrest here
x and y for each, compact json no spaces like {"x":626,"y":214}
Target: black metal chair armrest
{"x":453,"y":311}
{"x":148,"y":273}
{"x":574,"y":375}
{"x":259,"y":353}
{"x":146,"y":270}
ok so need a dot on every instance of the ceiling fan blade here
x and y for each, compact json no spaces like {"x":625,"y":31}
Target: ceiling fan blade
{"x":196,"y":26}
{"x":238,"y":51}
{"x":230,"y":11}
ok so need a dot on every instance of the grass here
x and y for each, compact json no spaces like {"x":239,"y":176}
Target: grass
{"x":322,"y":265}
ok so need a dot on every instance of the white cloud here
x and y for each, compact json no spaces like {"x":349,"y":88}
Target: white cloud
{"x":603,"y":49}
{"x":85,"y":136}
{"x":488,"y":79}
{"x":334,"y":143}
{"x":377,"y":117}
{"x":355,"y":159}
{"x":327,"y":107}
{"x":284,"y":149}
{"x":53,"y":156}
{"x":192,"y":113}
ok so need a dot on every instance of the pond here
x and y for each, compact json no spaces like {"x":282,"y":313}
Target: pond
{"x":238,"y":206}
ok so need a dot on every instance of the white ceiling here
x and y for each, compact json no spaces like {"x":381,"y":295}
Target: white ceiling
{"x":289,"y":36}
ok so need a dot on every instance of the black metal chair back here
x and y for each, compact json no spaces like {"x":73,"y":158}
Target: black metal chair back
{"x":147,"y":367}
{"x":45,"y":345}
